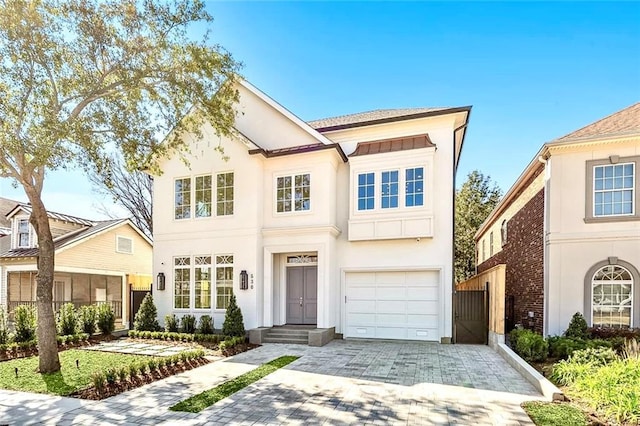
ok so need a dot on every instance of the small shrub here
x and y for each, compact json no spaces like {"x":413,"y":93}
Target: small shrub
{"x":162,"y":362}
{"x":594,"y":356}
{"x":184,"y":356}
{"x":206,"y":325}
{"x":106,"y":318}
{"x":578,"y":328}
{"x":133,"y":370}
{"x":188,"y":324}
{"x":110,"y":375}
{"x":4,"y":330}
{"x":562,"y":347}
{"x":122,"y":374}
{"x":631,"y":349}
{"x":153,"y":364}
{"x":143,"y":368}
{"x":67,"y":320}
{"x":98,"y":380}
{"x":171,"y":323}
{"x":146,"y":318}
{"x":531,"y":346}
{"x":87,"y":316}
{"x":25,"y":323}
{"x":233,"y":322}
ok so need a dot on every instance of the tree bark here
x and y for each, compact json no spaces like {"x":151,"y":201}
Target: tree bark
{"x":46,"y":332}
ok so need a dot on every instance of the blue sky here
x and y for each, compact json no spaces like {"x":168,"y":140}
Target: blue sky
{"x":532,"y":71}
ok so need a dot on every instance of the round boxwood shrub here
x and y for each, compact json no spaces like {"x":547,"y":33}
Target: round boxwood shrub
{"x":531,"y":346}
{"x":206,"y":325}
{"x":171,"y":323}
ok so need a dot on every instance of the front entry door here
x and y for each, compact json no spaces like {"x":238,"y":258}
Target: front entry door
{"x":302,"y":295}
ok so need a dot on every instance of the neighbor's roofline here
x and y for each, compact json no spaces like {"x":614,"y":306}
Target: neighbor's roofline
{"x":394,"y":119}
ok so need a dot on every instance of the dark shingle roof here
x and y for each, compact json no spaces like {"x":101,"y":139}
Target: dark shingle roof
{"x":6,"y":205}
{"x":61,"y":241}
{"x":391,"y":145}
{"x":58,"y":216}
{"x":364,"y":117}
{"x":623,"y":122}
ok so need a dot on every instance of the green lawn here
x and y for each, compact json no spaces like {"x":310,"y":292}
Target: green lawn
{"x":554,"y":414}
{"x":199,"y":402}
{"x":68,"y":380}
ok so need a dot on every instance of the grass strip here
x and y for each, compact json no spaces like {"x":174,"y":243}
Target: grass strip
{"x":554,"y":414}
{"x":199,"y":402}
{"x":69,"y":379}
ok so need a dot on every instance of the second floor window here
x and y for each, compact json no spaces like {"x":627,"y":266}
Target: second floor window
{"x":366,"y":191}
{"x":224,"y":194}
{"x":414,"y":187}
{"x":203,"y":196}
{"x":397,"y":189}
{"x":23,"y":233}
{"x":390,"y":189}
{"x":293,"y":193}
{"x":182,"y":203}
{"x":613,"y":188}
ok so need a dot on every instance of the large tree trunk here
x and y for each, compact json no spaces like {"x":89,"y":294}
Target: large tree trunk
{"x":47,"y":342}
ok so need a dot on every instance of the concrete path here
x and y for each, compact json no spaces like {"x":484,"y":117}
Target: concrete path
{"x":345,"y":382}
{"x":125,"y":346}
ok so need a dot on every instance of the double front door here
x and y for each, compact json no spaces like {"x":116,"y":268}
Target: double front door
{"x":302,"y":294}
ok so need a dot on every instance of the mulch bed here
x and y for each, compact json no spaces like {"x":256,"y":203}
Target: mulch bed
{"x":118,"y":387}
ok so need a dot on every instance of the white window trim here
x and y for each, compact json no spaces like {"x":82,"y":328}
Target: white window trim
{"x":402,"y":181}
{"x":193,"y":198}
{"x":173,"y":283}
{"x":215,"y":264}
{"x":603,"y":191}
{"x":620,"y":282}
{"x":29,"y":233}
{"x":293,"y":211}
{"x":118,"y":237}
{"x":192,"y":284}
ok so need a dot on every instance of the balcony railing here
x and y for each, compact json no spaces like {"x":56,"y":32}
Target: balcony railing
{"x":116,"y":305}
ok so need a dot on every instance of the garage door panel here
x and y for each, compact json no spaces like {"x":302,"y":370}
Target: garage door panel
{"x":394,"y":319}
{"x":422,"y":293}
{"x":416,"y":307}
{"x":362,"y":306}
{"x":391,"y":293}
{"x":390,"y":278}
{"x":393,"y":305}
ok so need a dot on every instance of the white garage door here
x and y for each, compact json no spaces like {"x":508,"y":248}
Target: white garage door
{"x":393,"y":305}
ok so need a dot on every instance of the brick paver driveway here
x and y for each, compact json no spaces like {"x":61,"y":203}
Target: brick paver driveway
{"x":345,"y":382}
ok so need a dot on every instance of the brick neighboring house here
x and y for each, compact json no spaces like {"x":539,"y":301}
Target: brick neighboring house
{"x":568,"y":230}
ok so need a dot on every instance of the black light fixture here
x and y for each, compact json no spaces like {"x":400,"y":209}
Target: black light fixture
{"x":244,"y":280}
{"x":161,"y":281}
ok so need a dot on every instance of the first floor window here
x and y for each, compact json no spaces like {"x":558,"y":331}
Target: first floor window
{"x":202,"y":277}
{"x":23,"y":233}
{"x":224,"y":280}
{"x":182,"y":282}
{"x":224,"y":194}
{"x":203,"y":196}
{"x":182,"y":200}
{"x":612,"y":297}
{"x":293,"y":193}
{"x":389,"y":189}
{"x":613,"y":190}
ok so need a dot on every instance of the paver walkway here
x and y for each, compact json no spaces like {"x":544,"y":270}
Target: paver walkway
{"x":136,"y":348}
{"x":345,"y":382}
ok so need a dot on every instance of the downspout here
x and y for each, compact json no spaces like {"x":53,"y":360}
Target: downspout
{"x":453,"y":224}
{"x":544,"y":159}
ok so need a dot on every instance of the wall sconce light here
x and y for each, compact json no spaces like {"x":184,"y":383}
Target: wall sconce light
{"x":244,"y":280}
{"x":161,"y":281}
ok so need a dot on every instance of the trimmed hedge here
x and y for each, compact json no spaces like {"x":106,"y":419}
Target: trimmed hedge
{"x":176,"y":337}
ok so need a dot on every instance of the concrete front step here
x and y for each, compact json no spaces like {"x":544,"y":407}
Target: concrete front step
{"x":289,"y":340}
{"x":288,"y":333}
{"x":303,"y":335}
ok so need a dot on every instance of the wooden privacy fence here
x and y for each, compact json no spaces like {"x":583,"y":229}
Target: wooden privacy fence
{"x":485,"y":291}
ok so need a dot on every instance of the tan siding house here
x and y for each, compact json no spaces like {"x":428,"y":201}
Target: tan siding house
{"x":95,"y":261}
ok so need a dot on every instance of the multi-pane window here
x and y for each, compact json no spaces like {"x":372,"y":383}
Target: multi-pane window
{"x":612,"y":297}
{"x":224,"y":280}
{"x":202,"y":284}
{"x":389,"y":189}
{"x":414,"y":187}
{"x":23,"y":233}
{"x":182,"y":204}
{"x":491,"y":244}
{"x":203,"y":196}
{"x":182,"y":282}
{"x":613,"y":188}
{"x":366,"y":191}
{"x":293,"y":193}
{"x":484,"y":254}
{"x":224,"y":194}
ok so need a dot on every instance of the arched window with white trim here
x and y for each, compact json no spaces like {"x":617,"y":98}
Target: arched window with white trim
{"x":612,"y":297}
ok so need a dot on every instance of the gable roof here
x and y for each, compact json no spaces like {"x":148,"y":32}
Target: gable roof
{"x":380,"y":116}
{"x":6,"y":205}
{"x":623,"y":122}
{"x":392,"y":145}
{"x":52,"y":215}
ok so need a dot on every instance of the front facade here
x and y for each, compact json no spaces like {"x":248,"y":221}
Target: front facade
{"x":344,"y":222}
{"x":94,"y":261}
{"x":581,"y":248}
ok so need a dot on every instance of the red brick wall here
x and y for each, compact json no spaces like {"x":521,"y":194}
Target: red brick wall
{"x":523,"y":255}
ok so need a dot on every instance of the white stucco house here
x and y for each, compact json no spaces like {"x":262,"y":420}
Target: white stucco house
{"x":342,"y":223}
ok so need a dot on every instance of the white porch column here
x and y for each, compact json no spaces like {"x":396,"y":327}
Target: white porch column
{"x":267,"y":303}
